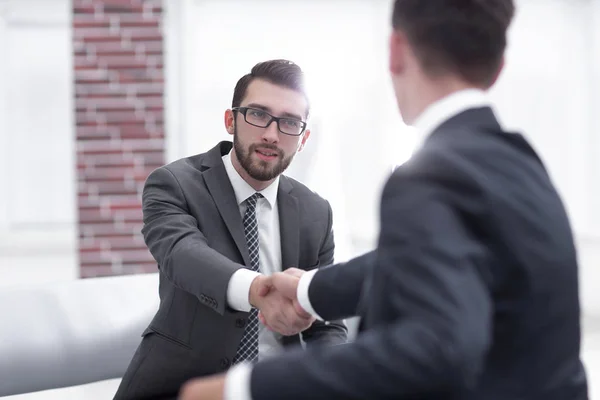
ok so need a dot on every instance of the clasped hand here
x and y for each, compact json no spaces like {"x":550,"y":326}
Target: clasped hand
{"x":275,"y":298}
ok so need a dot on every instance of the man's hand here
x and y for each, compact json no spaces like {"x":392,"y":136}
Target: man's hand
{"x":287,"y":284}
{"x":292,"y":318}
{"x":211,"y":388}
{"x":278,"y":307}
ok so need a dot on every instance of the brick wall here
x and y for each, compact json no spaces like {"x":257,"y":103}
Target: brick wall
{"x":119,"y":85}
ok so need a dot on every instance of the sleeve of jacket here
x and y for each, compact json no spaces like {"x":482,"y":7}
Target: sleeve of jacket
{"x":179,"y":247}
{"x":334,"y":331}
{"x":335,"y":291}
{"x":437,"y":310}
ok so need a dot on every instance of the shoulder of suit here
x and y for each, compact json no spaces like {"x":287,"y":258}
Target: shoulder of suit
{"x":456,"y":158}
{"x":300,"y":190}
{"x":193,"y":162}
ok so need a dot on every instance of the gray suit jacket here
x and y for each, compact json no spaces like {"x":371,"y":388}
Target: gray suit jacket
{"x":193,"y":228}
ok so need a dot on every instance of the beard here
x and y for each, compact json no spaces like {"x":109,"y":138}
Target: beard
{"x":259,"y":169}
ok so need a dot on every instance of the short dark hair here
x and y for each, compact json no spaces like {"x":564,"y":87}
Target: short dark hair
{"x":464,"y":37}
{"x":278,"y":72}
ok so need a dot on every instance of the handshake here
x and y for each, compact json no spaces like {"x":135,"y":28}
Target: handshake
{"x":276,"y":299}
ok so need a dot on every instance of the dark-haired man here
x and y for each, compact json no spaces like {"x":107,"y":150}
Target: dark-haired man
{"x":219,"y":224}
{"x":472,"y":292}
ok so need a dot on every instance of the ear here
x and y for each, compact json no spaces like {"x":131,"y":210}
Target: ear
{"x":304,"y":139}
{"x":229,"y":120}
{"x":398,"y":47}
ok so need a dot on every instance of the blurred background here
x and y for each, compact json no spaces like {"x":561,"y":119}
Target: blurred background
{"x":96,"y":94}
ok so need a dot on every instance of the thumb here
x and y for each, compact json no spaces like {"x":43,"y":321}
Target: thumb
{"x":265,"y":286}
{"x":294,"y":272}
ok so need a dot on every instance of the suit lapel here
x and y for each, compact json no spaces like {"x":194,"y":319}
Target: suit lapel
{"x":289,"y":224}
{"x":220,"y":188}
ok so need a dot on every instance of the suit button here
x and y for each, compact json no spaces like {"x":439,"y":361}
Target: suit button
{"x":224,"y":363}
{"x":240,"y":323}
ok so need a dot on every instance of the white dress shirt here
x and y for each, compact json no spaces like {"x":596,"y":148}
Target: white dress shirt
{"x":237,"y":382}
{"x":269,"y":251}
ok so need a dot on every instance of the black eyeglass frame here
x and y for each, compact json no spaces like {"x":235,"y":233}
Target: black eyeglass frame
{"x":244,"y":110}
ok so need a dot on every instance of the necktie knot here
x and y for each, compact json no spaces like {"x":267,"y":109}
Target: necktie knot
{"x":252,"y":200}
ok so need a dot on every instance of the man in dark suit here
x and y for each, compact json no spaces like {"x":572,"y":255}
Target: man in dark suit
{"x":219,"y":224}
{"x":472,"y":291}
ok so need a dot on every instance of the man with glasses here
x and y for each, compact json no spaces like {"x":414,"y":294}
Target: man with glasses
{"x":219,"y":224}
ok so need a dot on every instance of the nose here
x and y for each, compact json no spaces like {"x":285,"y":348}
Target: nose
{"x":271,"y":133}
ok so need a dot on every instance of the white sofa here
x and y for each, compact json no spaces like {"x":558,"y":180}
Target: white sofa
{"x":72,"y":333}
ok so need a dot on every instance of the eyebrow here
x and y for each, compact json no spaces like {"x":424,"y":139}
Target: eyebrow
{"x":267,"y":109}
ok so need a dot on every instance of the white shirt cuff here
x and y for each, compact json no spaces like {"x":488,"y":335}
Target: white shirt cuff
{"x":302,"y":293}
{"x":237,"y":383}
{"x":238,"y":289}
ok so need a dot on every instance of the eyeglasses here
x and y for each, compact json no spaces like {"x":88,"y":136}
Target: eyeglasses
{"x":262,"y":119}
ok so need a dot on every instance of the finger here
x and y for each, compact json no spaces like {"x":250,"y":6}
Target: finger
{"x":264,"y":290}
{"x":265,"y":285}
{"x":301,"y":311}
{"x":294,"y":272}
{"x":263,"y":321}
{"x":286,"y":284}
{"x":292,"y":322}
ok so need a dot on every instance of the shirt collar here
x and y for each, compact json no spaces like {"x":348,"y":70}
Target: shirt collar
{"x":442,"y":110}
{"x":242,"y":189}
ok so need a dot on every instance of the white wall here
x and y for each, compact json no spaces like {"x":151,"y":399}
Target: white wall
{"x":549,"y":90}
{"x":37,"y":161}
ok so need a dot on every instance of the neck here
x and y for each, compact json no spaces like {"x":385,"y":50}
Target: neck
{"x":254,"y":183}
{"x":430,"y":91}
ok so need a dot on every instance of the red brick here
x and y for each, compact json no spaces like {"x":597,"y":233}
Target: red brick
{"x":146,"y":23}
{"x":107,"y":104}
{"x":89,"y":248}
{"x":94,"y":216}
{"x":96,"y":175}
{"x":124,"y":3}
{"x":111,"y":47}
{"x":149,"y":159}
{"x":140,"y":75}
{"x":93,"y":23}
{"x":119,"y":112}
{"x":125,"y":145}
{"x":81,"y":9}
{"x":110,"y":229}
{"x":149,"y":47}
{"x":107,"y":188}
{"x":142,"y":89}
{"x":142,"y":34}
{"x":84,"y":62}
{"x":125,"y":204}
{"x":82,"y":3}
{"x":107,"y":160}
{"x":122,"y":8}
{"x":120,"y":118}
{"x":123,"y":62}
